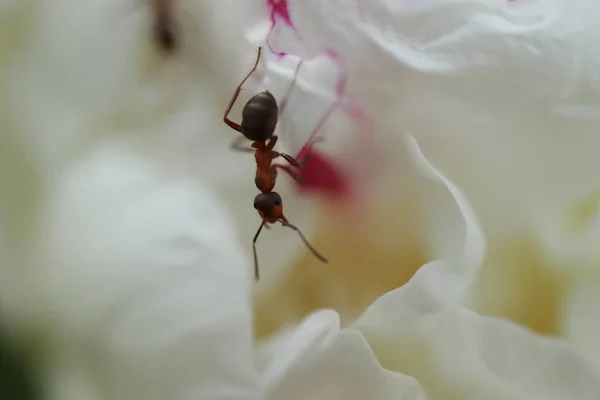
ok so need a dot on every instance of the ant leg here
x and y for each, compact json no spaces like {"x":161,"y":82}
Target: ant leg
{"x":254,"y":249}
{"x":295,"y":174}
{"x":292,"y":160}
{"x":290,"y":88}
{"x":272,"y":143}
{"x":297,"y":163}
{"x":226,"y":119}
{"x":285,"y":222}
{"x":236,"y":144}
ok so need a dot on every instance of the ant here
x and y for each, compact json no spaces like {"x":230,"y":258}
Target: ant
{"x":259,"y":118}
{"x":164,"y":30}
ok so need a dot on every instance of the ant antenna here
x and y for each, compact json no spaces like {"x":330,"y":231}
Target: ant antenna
{"x":256,"y":275}
{"x":285,"y":222}
{"x":291,"y":87}
{"x":258,"y":54}
{"x":238,"y":89}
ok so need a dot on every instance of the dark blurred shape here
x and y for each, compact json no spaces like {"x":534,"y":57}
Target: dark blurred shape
{"x":16,"y":377}
{"x":165,"y":36}
{"x":164,"y":30}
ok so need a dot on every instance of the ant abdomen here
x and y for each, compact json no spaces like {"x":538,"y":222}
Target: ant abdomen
{"x":259,"y":117}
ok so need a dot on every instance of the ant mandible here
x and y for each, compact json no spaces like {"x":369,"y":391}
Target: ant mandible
{"x":259,"y":118}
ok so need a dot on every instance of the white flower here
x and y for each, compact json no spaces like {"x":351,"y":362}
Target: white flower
{"x":503,"y":97}
{"x":120,"y":259}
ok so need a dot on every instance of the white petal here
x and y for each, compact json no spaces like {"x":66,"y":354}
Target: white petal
{"x":137,"y":276}
{"x":422,"y":330}
{"x":435,"y":37}
{"x":438,"y":284}
{"x":70,"y":67}
{"x":317,"y":360}
{"x":570,"y":241}
{"x":422,"y":36}
{"x":580,"y":320}
{"x":458,"y":354}
{"x":310,"y":89}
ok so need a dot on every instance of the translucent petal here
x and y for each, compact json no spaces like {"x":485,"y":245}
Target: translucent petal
{"x":310,"y":94}
{"x":318,"y":360}
{"x":137,"y":281}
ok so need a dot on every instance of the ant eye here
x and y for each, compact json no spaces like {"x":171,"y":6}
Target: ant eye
{"x":277,"y":202}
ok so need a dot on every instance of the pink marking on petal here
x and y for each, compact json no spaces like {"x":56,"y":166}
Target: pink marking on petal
{"x":279,"y":8}
{"x":322,"y":175}
{"x":279,"y":54}
{"x":279,"y":11}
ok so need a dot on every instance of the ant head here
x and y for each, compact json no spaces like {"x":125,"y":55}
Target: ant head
{"x":269,"y":205}
{"x":265,"y":201}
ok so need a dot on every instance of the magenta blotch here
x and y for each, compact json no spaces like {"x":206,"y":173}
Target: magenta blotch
{"x":321,"y":173}
{"x":279,"y":8}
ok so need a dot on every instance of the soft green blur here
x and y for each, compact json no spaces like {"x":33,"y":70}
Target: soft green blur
{"x":16,"y":378}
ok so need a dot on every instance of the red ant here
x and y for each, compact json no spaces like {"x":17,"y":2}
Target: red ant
{"x":259,"y":118}
{"x":164,"y":30}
